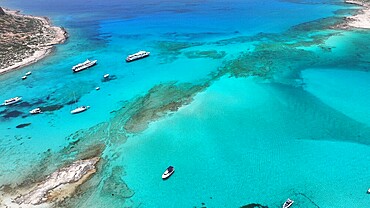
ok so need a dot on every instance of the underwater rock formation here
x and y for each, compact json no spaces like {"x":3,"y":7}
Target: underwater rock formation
{"x":254,"y":205}
{"x":22,"y":125}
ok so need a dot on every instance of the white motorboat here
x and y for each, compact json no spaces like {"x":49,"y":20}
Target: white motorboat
{"x":97,"y":88}
{"x":138,"y":55}
{"x":288,"y":203}
{"x":106,"y":76}
{"x":36,"y":111}
{"x":24,"y":77}
{"x":12,"y":101}
{"x":368,"y":191}
{"x":84,"y":65}
{"x":28,"y":73}
{"x":80,"y":109}
{"x":168,"y":172}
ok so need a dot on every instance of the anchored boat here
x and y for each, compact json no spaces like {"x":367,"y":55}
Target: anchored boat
{"x":288,"y":203}
{"x":138,"y":55}
{"x":80,"y":109}
{"x":168,"y":172}
{"x":12,"y":101}
{"x":35,"y":111}
{"x":84,"y":65}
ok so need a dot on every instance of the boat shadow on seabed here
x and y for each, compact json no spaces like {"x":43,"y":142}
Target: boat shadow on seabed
{"x":109,"y":78}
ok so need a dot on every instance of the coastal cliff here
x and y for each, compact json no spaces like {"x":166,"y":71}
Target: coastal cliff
{"x":25,"y":39}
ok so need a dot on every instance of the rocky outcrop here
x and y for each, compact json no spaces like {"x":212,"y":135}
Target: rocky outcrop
{"x":2,"y":11}
{"x":60,"y":184}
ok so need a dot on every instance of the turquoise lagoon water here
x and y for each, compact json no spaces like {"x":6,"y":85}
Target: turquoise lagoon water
{"x":299,"y":127}
{"x":252,"y":158}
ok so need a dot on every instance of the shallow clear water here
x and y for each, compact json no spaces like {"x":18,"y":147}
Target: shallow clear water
{"x":336,"y":88}
{"x":241,"y":142}
{"x":299,"y":128}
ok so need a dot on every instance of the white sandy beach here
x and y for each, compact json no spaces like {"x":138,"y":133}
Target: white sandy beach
{"x":362,"y":19}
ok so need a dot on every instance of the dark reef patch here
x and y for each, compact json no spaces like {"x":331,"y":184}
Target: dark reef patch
{"x":51,"y":108}
{"x":175,"y":47}
{"x":259,"y":63}
{"x":91,"y":151}
{"x":12,"y":114}
{"x":316,"y":25}
{"x":115,"y":186}
{"x":160,"y":99}
{"x":254,"y":205}
{"x":169,"y":50}
{"x":39,"y":170}
{"x":22,"y":125}
{"x":346,"y":12}
{"x":213,"y":54}
{"x":86,"y":144}
{"x":192,"y":36}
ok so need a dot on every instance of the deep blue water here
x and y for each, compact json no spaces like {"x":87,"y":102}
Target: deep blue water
{"x":297,"y":128}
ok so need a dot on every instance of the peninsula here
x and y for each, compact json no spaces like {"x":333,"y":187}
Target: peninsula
{"x":59,"y":185}
{"x":25,"y":39}
{"x":362,"y":18}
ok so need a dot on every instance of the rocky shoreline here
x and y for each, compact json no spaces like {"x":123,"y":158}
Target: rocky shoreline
{"x":25,"y":39}
{"x":360,"y":20}
{"x":56,"y":187}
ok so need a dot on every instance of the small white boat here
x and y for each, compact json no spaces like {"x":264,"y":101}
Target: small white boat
{"x":97,"y":88}
{"x":138,"y":55}
{"x":368,"y":191}
{"x":80,"y":109}
{"x":24,"y":77}
{"x":35,"y":111}
{"x":84,"y":65}
{"x":106,"y":76}
{"x":28,"y":73}
{"x":12,"y":101}
{"x":168,"y":172}
{"x":288,"y":203}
